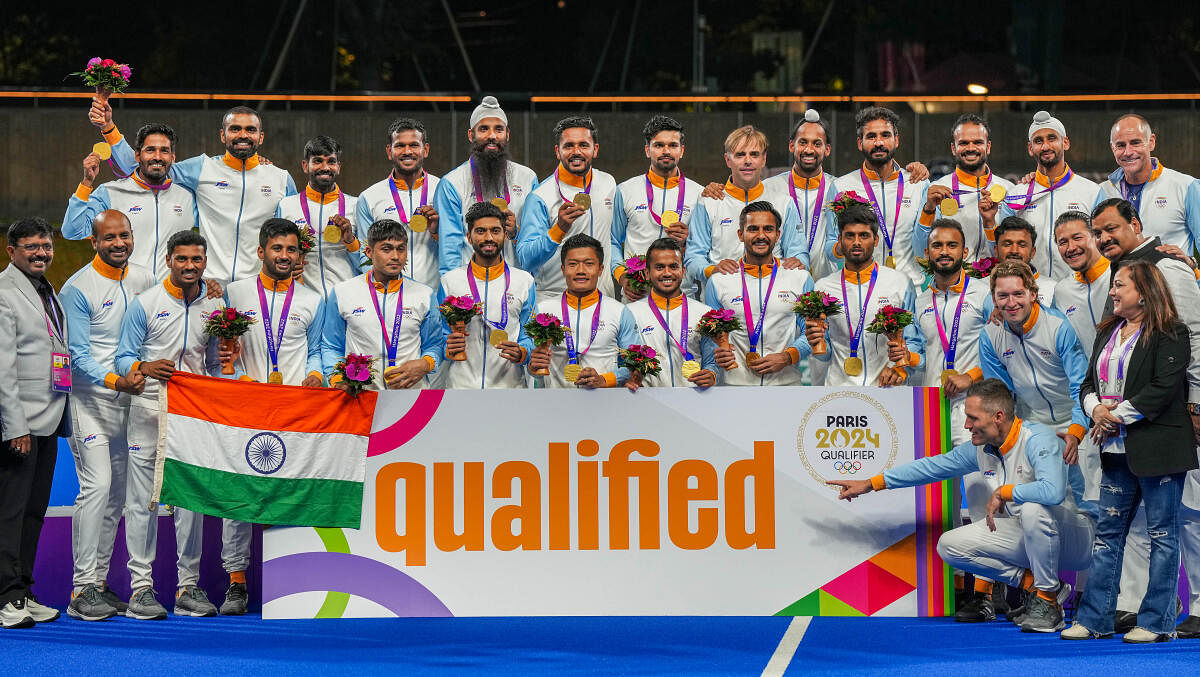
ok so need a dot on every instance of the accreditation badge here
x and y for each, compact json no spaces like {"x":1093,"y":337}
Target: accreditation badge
{"x":60,"y":372}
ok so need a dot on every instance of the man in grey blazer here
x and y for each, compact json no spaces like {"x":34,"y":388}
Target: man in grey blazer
{"x":34,"y":386}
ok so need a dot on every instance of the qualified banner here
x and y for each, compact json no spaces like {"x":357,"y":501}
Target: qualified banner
{"x":668,"y":501}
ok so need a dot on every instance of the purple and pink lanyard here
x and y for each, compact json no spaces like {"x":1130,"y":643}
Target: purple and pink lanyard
{"x":503,"y":323}
{"x":400,"y":211}
{"x":816,"y":210}
{"x":308,"y":218}
{"x":392,"y":341}
{"x":274,"y":342}
{"x":1021,"y":204}
{"x":681,"y":187}
{"x":950,"y":344}
{"x":875,"y":206}
{"x":856,"y":334}
{"x":682,"y":343}
{"x":569,"y":339}
{"x":1122,"y":360}
{"x":754,"y":333}
{"x":587,"y":190}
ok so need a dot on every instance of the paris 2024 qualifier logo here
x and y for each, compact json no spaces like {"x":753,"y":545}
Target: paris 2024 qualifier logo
{"x":847,"y":435}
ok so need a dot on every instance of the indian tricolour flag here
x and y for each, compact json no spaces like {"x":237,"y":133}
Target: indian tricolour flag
{"x":263,"y":453}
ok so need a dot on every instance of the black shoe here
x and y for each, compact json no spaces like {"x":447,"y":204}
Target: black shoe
{"x":1017,"y":614}
{"x":1189,"y":628}
{"x":1042,"y":616}
{"x":978,"y":609}
{"x":1000,"y":598}
{"x":236,"y":600}
{"x":111,"y":598}
{"x":1124,"y":621}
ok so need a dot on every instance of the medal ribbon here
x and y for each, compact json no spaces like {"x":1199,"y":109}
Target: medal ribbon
{"x":683,"y":330}
{"x":957,"y":192}
{"x":404,"y":218}
{"x":572,"y":358}
{"x":856,"y":334}
{"x":1027,"y":201}
{"x":504,"y":299}
{"x":754,"y":333}
{"x":479,"y":189}
{"x":392,"y":341}
{"x":587,"y":186}
{"x":1122,"y":358}
{"x":274,"y":343}
{"x":308,"y":218}
{"x":879,"y":210}
{"x":816,"y":212}
{"x":650,"y":200}
{"x":950,"y":345}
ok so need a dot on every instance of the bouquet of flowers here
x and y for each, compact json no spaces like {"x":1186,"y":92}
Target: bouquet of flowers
{"x":641,"y":361}
{"x":458,"y":311}
{"x":356,"y":372}
{"x":106,"y":75}
{"x":981,"y":268}
{"x":891,"y":320}
{"x":845,"y":199}
{"x":308,"y":241}
{"x":227,"y":324}
{"x":637,"y":274}
{"x":817,"y":306}
{"x":716,"y":325}
{"x":545,"y":330}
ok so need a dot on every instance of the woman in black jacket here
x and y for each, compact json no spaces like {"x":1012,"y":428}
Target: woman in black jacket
{"x":1135,"y":392}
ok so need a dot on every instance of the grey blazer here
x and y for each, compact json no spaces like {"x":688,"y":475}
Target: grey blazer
{"x":28,"y":406}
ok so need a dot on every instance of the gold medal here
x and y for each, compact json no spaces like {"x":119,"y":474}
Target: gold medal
{"x":890,"y":262}
{"x":946,"y":374}
{"x":669,"y":218}
{"x":103,"y":150}
{"x":275,"y":377}
{"x":752,"y":357}
{"x":571,"y":372}
{"x":418,"y":223}
{"x":582,"y":200}
{"x":689,"y":368}
{"x":853,"y":366}
{"x":497,"y":337}
{"x":949,"y":206}
{"x":332,"y":233}
{"x":499,"y":202}
{"x":389,"y":371}
{"x":997,"y":192}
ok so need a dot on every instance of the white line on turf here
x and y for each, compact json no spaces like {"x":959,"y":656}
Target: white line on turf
{"x":787,"y":646}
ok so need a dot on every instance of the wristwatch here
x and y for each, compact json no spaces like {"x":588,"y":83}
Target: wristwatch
{"x":1193,"y":408}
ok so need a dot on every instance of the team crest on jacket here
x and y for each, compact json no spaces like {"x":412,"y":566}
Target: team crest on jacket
{"x":135,"y":209}
{"x":223,"y":185}
{"x":178,"y":209}
{"x":358,"y":311}
{"x":266,"y":190}
{"x":1160,"y":202}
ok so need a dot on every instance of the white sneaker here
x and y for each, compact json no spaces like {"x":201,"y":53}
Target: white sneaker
{"x":1080,"y":631}
{"x":15,"y":615}
{"x":1144,"y":636}
{"x":40,"y":612}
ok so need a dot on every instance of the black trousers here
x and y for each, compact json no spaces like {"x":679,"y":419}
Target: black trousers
{"x":24,"y":494}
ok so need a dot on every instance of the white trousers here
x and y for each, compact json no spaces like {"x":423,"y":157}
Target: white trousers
{"x":235,"y":545}
{"x":141,"y":523}
{"x":1043,"y":539}
{"x":99,"y":447}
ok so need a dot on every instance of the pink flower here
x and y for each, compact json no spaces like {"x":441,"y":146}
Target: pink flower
{"x":94,"y":61}
{"x":463,"y":302}
{"x":648,"y":352}
{"x":826,"y":299}
{"x":230,"y":314}
{"x":357,"y":371}
{"x":546,"y":319}
{"x":635,"y":264}
{"x":214,"y":314}
{"x":126,"y":71}
{"x":108,"y":62}
{"x":725,"y":315}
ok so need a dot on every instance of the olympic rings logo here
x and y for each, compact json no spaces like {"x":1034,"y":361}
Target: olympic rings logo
{"x":847,"y":467}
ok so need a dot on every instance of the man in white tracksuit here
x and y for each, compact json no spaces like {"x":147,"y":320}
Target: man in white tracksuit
{"x":1037,"y":522}
{"x":809,"y":190}
{"x":495,"y":342}
{"x":550,"y":216}
{"x":156,"y":206}
{"x":95,"y":299}
{"x":235,"y":192}
{"x":488,"y":175}
{"x":163,"y":331}
{"x":293,"y":314}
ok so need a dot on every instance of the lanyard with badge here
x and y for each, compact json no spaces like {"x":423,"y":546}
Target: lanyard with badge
{"x":690,"y":366}
{"x":950,"y":344}
{"x":572,"y":370}
{"x":754,"y":333}
{"x":391,"y":341}
{"x":816,"y":212}
{"x":274,"y":343}
{"x":417,"y":223}
{"x":1118,"y":388}
{"x":331,"y":233}
{"x":854,"y":364}
{"x":582,"y":199}
{"x":876,"y":206}
{"x":60,"y":363}
{"x":668,"y":218}
{"x":499,"y":334}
